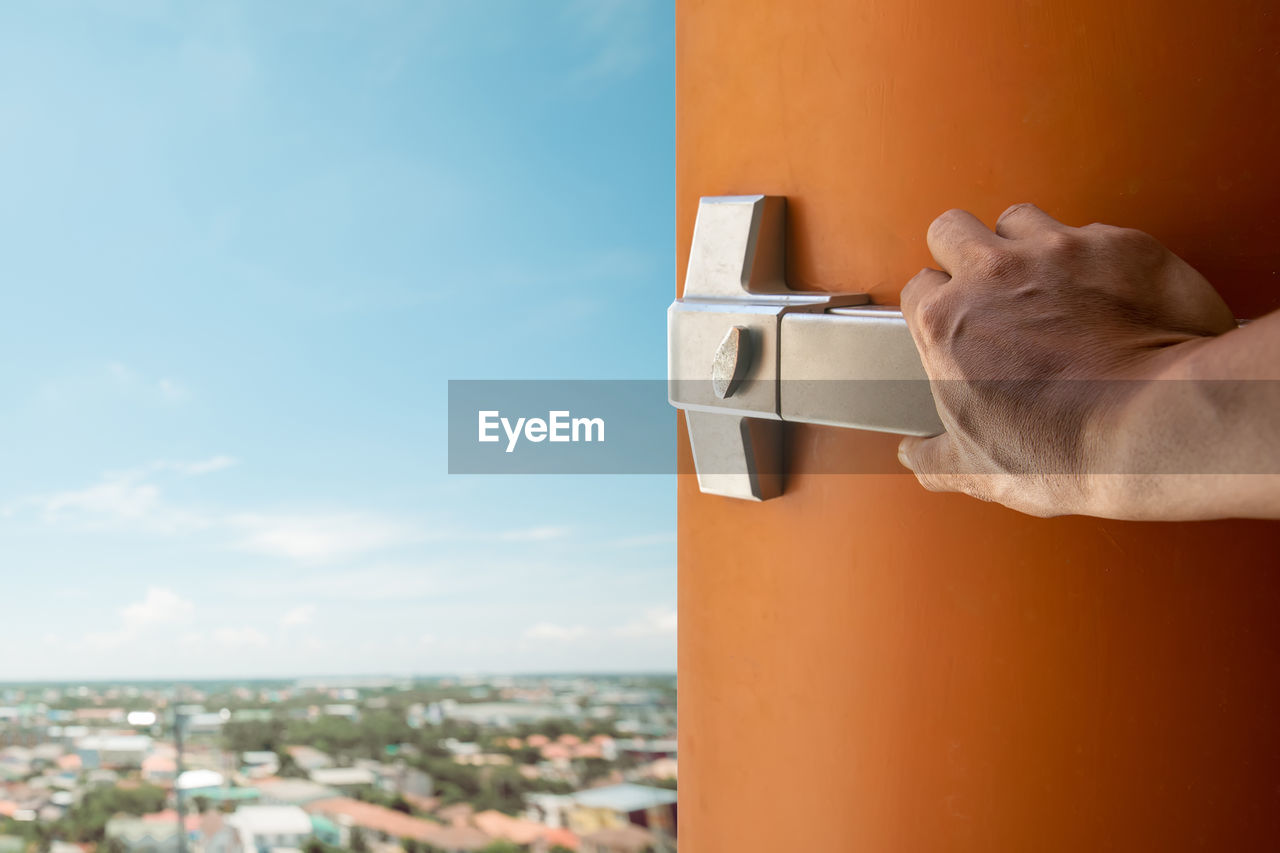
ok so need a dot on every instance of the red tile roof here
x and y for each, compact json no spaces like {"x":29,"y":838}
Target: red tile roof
{"x":629,"y":838}
{"x":562,"y":837}
{"x":377,"y":818}
{"x":498,"y":825}
{"x":460,"y":838}
{"x":190,"y":820}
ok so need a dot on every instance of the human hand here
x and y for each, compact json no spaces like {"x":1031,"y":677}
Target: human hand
{"x":1032,"y":337}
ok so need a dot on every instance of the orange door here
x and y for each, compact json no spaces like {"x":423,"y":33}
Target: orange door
{"x":867,"y":666}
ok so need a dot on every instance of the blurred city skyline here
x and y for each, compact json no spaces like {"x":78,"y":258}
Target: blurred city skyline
{"x":245,"y":247}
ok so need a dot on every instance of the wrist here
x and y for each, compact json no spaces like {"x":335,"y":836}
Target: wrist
{"x":1134,"y":440}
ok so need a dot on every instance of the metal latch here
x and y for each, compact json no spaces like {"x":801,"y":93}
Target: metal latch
{"x":746,"y":353}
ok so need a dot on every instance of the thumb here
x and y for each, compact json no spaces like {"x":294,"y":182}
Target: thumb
{"x":932,"y":460}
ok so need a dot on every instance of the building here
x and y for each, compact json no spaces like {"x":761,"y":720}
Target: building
{"x":653,"y":749}
{"x":309,"y":758}
{"x":526,"y":833}
{"x":508,"y":713}
{"x":260,"y":829}
{"x":142,"y":836}
{"x":412,"y":781}
{"x":159,"y":769}
{"x":259,"y":764}
{"x":616,"y":806}
{"x":114,"y":752}
{"x":214,"y":835}
{"x":346,"y":712}
{"x":376,"y":822}
{"x":292,"y":792}
{"x":622,"y":839}
{"x":100,"y":716}
{"x":343,"y":778}
{"x":459,"y":839}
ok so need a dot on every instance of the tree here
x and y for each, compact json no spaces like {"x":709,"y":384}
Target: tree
{"x":315,"y":845}
{"x":289,"y":768}
{"x":87,"y":820}
{"x":252,"y":735}
{"x":501,"y":846}
{"x":358,"y":842}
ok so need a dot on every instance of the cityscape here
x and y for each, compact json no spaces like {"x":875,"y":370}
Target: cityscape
{"x":545,"y":764}
{"x":225,"y":427}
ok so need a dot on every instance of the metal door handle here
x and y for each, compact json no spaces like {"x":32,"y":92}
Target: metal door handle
{"x":745,"y":353}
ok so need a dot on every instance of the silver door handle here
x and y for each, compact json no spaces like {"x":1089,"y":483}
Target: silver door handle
{"x":746,"y":353}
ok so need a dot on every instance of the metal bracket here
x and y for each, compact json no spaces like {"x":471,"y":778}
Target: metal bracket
{"x":745,"y":353}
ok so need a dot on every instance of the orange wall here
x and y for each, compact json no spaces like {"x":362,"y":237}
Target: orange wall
{"x":867,"y":666}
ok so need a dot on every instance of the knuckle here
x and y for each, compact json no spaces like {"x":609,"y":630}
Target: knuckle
{"x":944,"y":221}
{"x":1124,"y":239}
{"x":933,"y":318}
{"x":1128,"y":245}
{"x":1099,"y":230}
{"x":1015,"y":210}
{"x":1139,"y":243}
{"x":1064,"y":245}
{"x":912,"y":291}
{"x":995,"y":263}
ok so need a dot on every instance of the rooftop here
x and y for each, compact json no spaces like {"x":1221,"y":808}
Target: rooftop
{"x":625,"y":798}
{"x":380,"y":819}
{"x":340,"y":776}
{"x":115,"y":743}
{"x":294,"y":791}
{"x":459,"y":838}
{"x":629,"y":838}
{"x":272,"y":820}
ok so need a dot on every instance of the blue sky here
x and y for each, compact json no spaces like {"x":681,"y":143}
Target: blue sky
{"x":245,"y":245}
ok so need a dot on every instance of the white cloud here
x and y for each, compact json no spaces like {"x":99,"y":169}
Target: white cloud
{"x":551,"y":631}
{"x":118,"y":496}
{"x":129,"y":499}
{"x":657,"y":621}
{"x":172,"y":391}
{"x":204,"y":466}
{"x":665,"y":537}
{"x":534,"y":534}
{"x":241,"y":637}
{"x":319,"y":537}
{"x":158,"y":607}
{"x":376,"y":583}
{"x":132,"y":500}
{"x":300,"y":615}
{"x":130,"y":382}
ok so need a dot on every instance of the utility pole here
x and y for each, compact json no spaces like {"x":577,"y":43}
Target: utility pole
{"x":177,"y":777}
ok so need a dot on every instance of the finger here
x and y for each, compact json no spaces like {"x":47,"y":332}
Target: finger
{"x":933,"y":461}
{"x":921,"y":285}
{"x":955,"y":235}
{"x":1025,"y":220}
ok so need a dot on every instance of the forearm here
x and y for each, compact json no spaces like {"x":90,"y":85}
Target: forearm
{"x":1200,"y":439}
